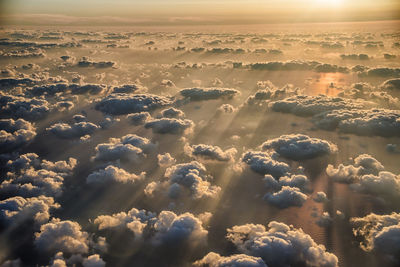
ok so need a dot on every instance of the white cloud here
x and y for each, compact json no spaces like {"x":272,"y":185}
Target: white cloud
{"x":112,"y":173}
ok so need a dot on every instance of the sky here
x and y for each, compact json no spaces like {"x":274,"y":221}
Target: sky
{"x":195,"y":11}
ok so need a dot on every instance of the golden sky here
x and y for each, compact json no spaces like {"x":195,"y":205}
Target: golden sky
{"x":195,"y":11}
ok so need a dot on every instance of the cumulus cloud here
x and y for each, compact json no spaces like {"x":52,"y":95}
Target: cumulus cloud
{"x":15,"y":210}
{"x":380,"y":233}
{"x":299,"y":146}
{"x":15,"y":134}
{"x":113,"y":174}
{"x":166,"y":228}
{"x":209,"y":152}
{"x":280,"y":245}
{"x":86,"y":62}
{"x":266,"y":163}
{"x":392,"y":84}
{"x":199,"y":94}
{"x":165,"y":160}
{"x":93,"y":261}
{"x":31,"y":177}
{"x":78,"y":129}
{"x":74,"y":89}
{"x":173,"y":113}
{"x":305,"y":105}
{"x":238,"y":260}
{"x":129,"y":147}
{"x":363,"y":164}
{"x":118,"y":104}
{"x":25,"y":108}
{"x":381,"y":122}
{"x":182,"y":179}
{"x":64,"y":236}
{"x":139,"y":118}
{"x":368,"y":176}
{"x":129,"y":88}
{"x":170,"y":126}
{"x":286,"y":197}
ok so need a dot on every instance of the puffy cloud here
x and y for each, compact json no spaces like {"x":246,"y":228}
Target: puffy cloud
{"x":93,"y":261}
{"x":129,"y":147}
{"x":139,"y":118}
{"x":281,"y":245}
{"x":381,"y":122}
{"x":226,"y":108}
{"x":297,"y":65}
{"x":368,"y":176}
{"x":299,"y":146}
{"x":17,"y":209}
{"x":321,"y":197}
{"x":165,"y":160}
{"x":166,"y":228}
{"x":324,"y":219}
{"x":379,"y":232}
{"x":209,"y":152}
{"x":118,"y":104}
{"x":65,"y":236}
{"x":15,"y":133}
{"x":199,"y":94}
{"x":34,"y":178}
{"x":170,"y":126}
{"x":286,"y":197}
{"x":392,"y":84}
{"x":21,"y":107}
{"x":238,"y":260}
{"x":78,"y":129}
{"x":112,"y":173}
{"x":74,"y":89}
{"x":305,"y":105}
{"x":190,"y":176}
{"x":363,"y":164}
{"x":380,"y":72}
{"x":86,"y":62}
{"x":173,"y":113}
{"x":129,"y":88}
{"x":265,"y":163}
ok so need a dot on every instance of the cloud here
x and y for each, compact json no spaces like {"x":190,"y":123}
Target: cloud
{"x":86,"y":62}
{"x":15,"y":134}
{"x":381,"y":122}
{"x":182,"y":179}
{"x":363,"y":164}
{"x":129,"y":147}
{"x":305,"y":105}
{"x":265,"y":163}
{"x":170,"y":126}
{"x":93,"y":261}
{"x":32,"y":177}
{"x":16,"y":210}
{"x":78,"y":129}
{"x":25,"y":108}
{"x":281,"y":245}
{"x":393,"y":84}
{"x":129,"y":88}
{"x":286,"y":197}
{"x":321,"y":197}
{"x":238,"y":260}
{"x":199,"y":94}
{"x":139,"y":118}
{"x":226,"y":108}
{"x":368,"y":176}
{"x":65,"y":236}
{"x":209,"y":152}
{"x":115,"y":174}
{"x":173,"y":113}
{"x":299,"y":146}
{"x":118,"y":104}
{"x":379,"y":232}
{"x":165,"y":160}
{"x":166,"y":228}
{"x":380,"y":72}
{"x":74,"y":89}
